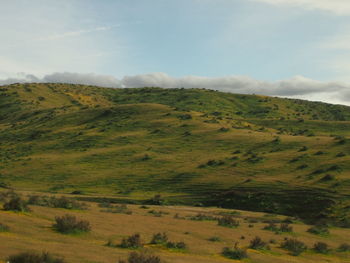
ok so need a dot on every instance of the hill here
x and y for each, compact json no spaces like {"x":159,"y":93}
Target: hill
{"x":191,"y":146}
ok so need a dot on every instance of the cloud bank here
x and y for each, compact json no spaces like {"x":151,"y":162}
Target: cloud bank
{"x":296,"y":87}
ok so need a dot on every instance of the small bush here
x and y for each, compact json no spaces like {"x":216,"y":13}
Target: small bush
{"x":303,"y":149}
{"x":4,"y":228}
{"x":341,"y":154}
{"x":69,"y":224}
{"x":271,"y":226}
{"x":133,"y":241}
{"x":56,"y":202}
{"x":318,"y":230}
{"x":344,"y":247}
{"x":157,"y":213}
{"x":34,"y":257}
{"x":228,"y":221}
{"x":214,"y":239}
{"x":118,"y":209}
{"x":176,"y":245}
{"x":258,"y":243}
{"x":111,"y":243}
{"x":203,"y":217}
{"x":295,"y":246}
{"x":159,"y":238}
{"x":234,"y":253}
{"x":141,"y":257}
{"x":17,"y":204}
{"x":285,"y":227}
{"x":321,"y":247}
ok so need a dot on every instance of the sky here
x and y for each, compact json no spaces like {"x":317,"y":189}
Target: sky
{"x":293,"y":48}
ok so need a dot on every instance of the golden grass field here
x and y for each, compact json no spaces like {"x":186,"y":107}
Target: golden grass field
{"x":33,"y":231}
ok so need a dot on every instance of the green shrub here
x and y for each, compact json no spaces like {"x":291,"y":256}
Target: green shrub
{"x":203,"y":217}
{"x":285,"y":227}
{"x":70,"y":224}
{"x":295,"y":246}
{"x":344,"y":247}
{"x":141,"y":257}
{"x":17,"y":204}
{"x":133,"y":241}
{"x":228,"y":221}
{"x":56,"y":202}
{"x":319,"y":230}
{"x":235,"y":252}
{"x":118,"y":209}
{"x":34,"y":257}
{"x":214,"y":239}
{"x":159,"y":238}
{"x":271,"y":226}
{"x":4,"y":228}
{"x":176,"y":245}
{"x":321,"y":247}
{"x":258,"y":243}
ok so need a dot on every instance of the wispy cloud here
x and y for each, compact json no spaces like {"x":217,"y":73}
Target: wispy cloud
{"x":339,"y":7}
{"x":76,"y":33}
{"x":297,"y":87}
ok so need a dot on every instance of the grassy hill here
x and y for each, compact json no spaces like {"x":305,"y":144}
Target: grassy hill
{"x":191,"y":146}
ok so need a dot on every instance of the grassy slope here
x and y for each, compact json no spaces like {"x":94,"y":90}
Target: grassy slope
{"x":137,"y":142}
{"x":33,"y":231}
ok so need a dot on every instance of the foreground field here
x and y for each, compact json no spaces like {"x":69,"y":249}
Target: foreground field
{"x":33,"y":231}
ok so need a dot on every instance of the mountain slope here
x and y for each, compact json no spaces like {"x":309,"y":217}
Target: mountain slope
{"x":244,"y":151}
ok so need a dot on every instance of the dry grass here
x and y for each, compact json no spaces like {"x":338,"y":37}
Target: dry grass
{"x":33,"y":231}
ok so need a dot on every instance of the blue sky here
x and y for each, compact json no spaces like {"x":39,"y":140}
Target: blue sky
{"x":265,"y":40}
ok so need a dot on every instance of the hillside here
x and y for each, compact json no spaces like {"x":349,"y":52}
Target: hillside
{"x":191,"y":146}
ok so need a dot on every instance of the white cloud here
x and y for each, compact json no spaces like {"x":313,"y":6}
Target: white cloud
{"x":297,"y":87}
{"x":339,"y":7}
{"x":79,"y":78}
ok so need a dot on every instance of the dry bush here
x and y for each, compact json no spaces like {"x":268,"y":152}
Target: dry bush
{"x":34,"y":257}
{"x":70,"y":224}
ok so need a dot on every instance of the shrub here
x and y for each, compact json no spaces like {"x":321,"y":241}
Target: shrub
{"x":303,"y":149}
{"x":285,"y":227}
{"x":34,"y":257}
{"x":17,"y":204}
{"x":295,"y":246}
{"x":203,"y":217}
{"x":271,"y":226}
{"x":321,"y":247}
{"x":228,"y":221}
{"x":133,"y":241}
{"x":111,"y":243}
{"x":258,"y":243}
{"x":214,"y":239}
{"x":142,"y":257}
{"x":70,"y":224}
{"x":176,"y":245}
{"x":56,"y":202}
{"x":235,"y":252}
{"x":341,"y":154}
{"x":157,"y":213}
{"x":4,"y":228}
{"x":156,"y":200}
{"x":159,"y":238}
{"x":118,"y":209}
{"x":319,"y":230}
{"x":344,"y":247}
